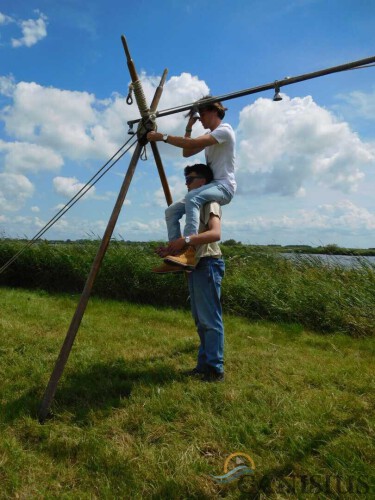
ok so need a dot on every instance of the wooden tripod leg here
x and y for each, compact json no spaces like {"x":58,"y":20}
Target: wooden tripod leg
{"x":162,"y":175}
{"x":76,"y":321}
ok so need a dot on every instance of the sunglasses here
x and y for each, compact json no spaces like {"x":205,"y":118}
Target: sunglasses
{"x":190,"y":178}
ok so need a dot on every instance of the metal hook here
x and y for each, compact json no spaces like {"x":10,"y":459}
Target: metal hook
{"x":195,"y":112}
{"x":277,"y":96}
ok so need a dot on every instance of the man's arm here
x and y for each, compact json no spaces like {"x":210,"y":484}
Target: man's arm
{"x":212,"y":234}
{"x":190,"y":146}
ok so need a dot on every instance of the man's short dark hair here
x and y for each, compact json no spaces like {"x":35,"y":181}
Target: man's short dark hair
{"x":200,"y":169}
{"x":214,"y":106}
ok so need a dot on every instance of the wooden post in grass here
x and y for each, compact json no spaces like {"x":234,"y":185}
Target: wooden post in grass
{"x":146,"y":124}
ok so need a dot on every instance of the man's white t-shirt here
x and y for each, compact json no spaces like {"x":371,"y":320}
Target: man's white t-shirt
{"x":221,"y":156}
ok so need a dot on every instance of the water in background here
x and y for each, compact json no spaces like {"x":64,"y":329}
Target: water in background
{"x":333,"y":260}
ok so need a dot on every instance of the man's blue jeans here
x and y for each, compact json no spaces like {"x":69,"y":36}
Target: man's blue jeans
{"x":205,"y":292}
{"x":191,"y":204}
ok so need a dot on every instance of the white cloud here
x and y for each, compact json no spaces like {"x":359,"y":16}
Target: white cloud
{"x":53,"y":118}
{"x":23,"y":157}
{"x":180,"y":90}
{"x":4,"y":19}
{"x":78,"y":126}
{"x":14,"y":191}
{"x":154,"y":227}
{"x":177,"y":187}
{"x":29,"y":225}
{"x":344,"y":217}
{"x":282,"y":146}
{"x":35,"y":209}
{"x":359,"y":104}
{"x":7,"y":85}
{"x":33,"y":30}
{"x":69,"y":187}
{"x":61,"y":226}
{"x":59,"y":206}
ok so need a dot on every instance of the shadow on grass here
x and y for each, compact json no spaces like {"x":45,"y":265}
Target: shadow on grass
{"x":101,"y":387}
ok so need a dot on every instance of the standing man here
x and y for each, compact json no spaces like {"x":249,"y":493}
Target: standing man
{"x":205,"y":281}
{"x":219,"y":147}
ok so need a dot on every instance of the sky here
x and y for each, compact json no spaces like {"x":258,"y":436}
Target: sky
{"x":305,"y":165}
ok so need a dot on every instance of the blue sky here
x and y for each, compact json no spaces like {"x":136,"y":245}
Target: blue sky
{"x":305,"y":165}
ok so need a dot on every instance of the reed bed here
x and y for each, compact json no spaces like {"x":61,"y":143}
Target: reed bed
{"x":258,"y":284}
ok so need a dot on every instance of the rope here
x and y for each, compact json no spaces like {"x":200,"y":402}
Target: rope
{"x":129,"y":99}
{"x":140,"y":98}
{"x":144,"y":154}
{"x":71,"y":202}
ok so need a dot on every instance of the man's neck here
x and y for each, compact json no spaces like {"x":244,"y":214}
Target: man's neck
{"x":215,"y":124}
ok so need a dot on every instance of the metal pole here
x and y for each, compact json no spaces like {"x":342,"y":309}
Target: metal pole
{"x":267,"y":86}
{"x":76,"y":321}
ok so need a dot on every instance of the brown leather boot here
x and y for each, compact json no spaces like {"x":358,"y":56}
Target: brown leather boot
{"x":185,"y":259}
{"x":168,"y":268}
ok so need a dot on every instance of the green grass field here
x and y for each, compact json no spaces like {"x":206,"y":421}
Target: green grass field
{"x":128,"y":424}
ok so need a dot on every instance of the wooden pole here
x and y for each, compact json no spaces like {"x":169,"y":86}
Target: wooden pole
{"x":163,"y":178}
{"x":159,"y":91}
{"x":77,"y":318}
{"x":129,"y":60}
{"x":154,"y":147}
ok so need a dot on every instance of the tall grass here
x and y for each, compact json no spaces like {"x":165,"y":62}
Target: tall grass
{"x":304,"y":290}
{"x":257,"y":284}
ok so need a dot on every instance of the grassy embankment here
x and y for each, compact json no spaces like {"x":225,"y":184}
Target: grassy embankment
{"x":258,"y":284}
{"x":128,"y":424}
